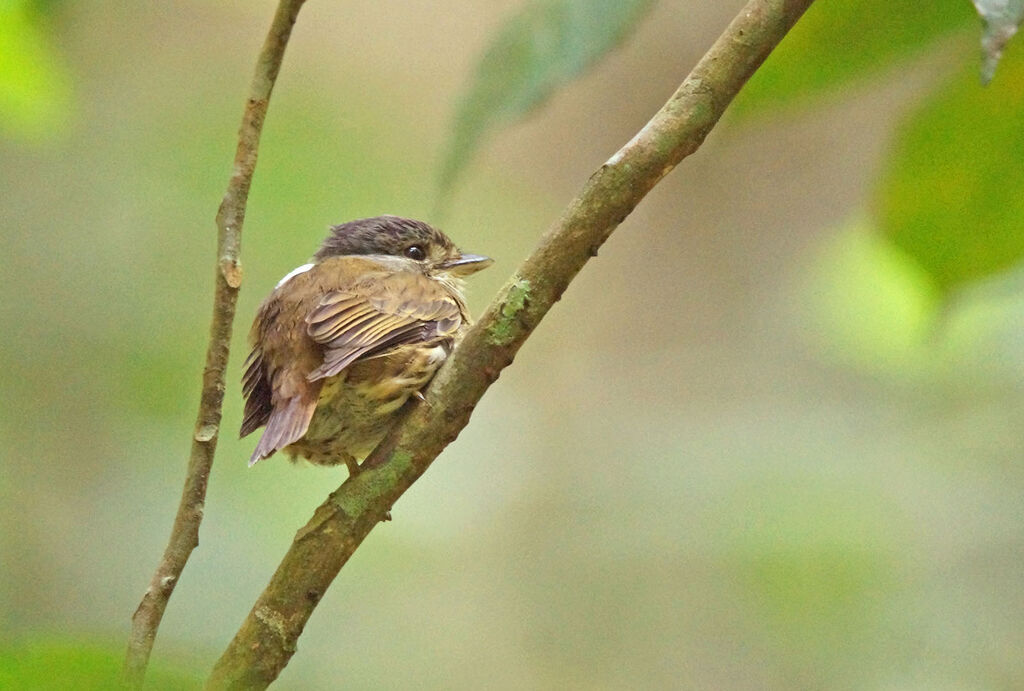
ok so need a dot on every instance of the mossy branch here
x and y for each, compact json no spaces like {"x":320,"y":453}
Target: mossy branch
{"x":185,"y":531}
{"x":267,"y":639}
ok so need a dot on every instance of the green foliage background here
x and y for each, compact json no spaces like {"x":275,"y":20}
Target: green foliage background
{"x":770,"y":438}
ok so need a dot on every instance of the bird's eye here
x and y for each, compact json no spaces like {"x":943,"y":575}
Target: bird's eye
{"x":415,"y":252}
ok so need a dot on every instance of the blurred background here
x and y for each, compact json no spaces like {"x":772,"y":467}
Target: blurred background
{"x":758,"y":444}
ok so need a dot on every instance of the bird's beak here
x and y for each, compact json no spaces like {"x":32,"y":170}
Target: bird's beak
{"x":467,"y":264}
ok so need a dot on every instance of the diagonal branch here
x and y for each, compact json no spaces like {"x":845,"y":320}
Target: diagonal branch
{"x":185,"y":532}
{"x":267,"y":639}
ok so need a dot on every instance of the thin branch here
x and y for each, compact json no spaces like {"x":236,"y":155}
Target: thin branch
{"x":267,"y":639}
{"x":185,"y":532}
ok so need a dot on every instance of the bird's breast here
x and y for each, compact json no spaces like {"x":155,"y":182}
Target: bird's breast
{"x":386,"y":382}
{"x":357,"y":407}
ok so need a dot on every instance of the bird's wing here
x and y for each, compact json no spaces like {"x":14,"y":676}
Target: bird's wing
{"x":376,"y":316}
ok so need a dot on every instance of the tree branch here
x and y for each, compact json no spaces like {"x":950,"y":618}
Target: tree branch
{"x":185,"y":531}
{"x":267,"y":639}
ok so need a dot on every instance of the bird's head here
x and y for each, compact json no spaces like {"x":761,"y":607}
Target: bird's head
{"x":403,"y":243}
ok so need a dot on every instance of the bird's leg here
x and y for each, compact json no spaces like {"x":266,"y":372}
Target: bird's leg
{"x":352,"y":464}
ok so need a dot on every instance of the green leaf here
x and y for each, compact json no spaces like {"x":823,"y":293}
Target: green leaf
{"x":837,"y":42}
{"x":1001,"y":18}
{"x":35,"y":90}
{"x":952,"y":195}
{"x":545,"y":45}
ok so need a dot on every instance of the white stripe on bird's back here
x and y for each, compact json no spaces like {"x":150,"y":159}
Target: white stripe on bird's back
{"x":294,"y":272}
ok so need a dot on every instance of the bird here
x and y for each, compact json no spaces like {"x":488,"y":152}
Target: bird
{"x":342,"y":343}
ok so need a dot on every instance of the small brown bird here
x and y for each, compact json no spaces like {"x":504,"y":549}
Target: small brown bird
{"x":341,"y":343}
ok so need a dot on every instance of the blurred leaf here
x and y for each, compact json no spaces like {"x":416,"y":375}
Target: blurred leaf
{"x":56,"y":666}
{"x":952,"y":196}
{"x":837,"y":42}
{"x":1001,"y":17}
{"x":35,"y":91}
{"x":547,"y":44}
{"x":872,"y":305}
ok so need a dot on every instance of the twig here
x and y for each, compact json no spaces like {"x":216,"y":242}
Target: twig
{"x":267,"y":639}
{"x":185,"y":532}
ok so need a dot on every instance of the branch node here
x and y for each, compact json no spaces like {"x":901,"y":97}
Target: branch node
{"x":206,"y":433}
{"x":231,"y":270}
